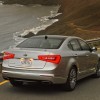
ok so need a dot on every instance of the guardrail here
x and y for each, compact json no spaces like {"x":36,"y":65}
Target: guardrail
{"x":94,"y":42}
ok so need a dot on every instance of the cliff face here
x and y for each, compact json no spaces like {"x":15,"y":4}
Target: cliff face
{"x":79,"y":17}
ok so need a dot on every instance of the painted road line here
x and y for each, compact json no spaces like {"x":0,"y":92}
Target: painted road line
{"x":4,"y":82}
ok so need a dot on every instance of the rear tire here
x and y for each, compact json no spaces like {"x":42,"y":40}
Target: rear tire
{"x":70,"y":85}
{"x":16,"y":83}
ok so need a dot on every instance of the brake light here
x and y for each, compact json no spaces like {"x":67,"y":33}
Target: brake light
{"x":8,"y":55}
{"x":50,"y":58}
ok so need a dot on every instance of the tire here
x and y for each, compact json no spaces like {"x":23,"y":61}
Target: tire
{"x":16,"y":83}
{"x":70,"y":85}
{"x":97,"y":74}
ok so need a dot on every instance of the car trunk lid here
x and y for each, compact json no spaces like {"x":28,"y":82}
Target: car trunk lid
{"x":27,"y":59}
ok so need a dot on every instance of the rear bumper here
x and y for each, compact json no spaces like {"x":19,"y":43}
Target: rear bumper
{"x":35,"y":76}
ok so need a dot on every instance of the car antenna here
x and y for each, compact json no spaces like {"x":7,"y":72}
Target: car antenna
{"x":46,"y":37}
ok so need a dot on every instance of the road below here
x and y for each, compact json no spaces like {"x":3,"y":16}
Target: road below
{"x":87,"y":89}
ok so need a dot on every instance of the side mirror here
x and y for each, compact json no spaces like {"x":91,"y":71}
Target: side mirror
{"x":94,"y":49}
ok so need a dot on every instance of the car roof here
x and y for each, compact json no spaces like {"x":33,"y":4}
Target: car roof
{"x":55,"y":36}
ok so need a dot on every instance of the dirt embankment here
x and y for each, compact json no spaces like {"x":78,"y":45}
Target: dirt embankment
{"x":79,"y":17}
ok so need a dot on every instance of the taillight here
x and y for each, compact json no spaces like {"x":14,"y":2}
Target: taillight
{"x":50,"y":58}
{"x":8,"y":55}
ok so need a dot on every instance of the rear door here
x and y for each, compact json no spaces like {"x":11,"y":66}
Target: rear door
{"x":91,"y":56}
{"x":80,"y":56}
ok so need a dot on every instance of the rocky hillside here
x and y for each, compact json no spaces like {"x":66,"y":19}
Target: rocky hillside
{"x":79,"y":17}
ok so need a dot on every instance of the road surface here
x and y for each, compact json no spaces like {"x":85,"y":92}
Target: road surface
{"x":87,"y":89}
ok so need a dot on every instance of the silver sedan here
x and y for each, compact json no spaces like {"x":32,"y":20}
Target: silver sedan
{"x":51,"y":58}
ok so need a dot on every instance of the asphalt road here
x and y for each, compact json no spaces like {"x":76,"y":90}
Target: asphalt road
{"x":87,"y":89}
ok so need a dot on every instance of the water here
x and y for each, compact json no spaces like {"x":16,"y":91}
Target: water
{"x":19,"y":19}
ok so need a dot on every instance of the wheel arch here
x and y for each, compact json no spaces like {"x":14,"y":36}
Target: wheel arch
{"x":72,"y":63}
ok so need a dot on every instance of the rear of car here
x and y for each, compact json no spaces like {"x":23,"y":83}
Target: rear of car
{"x":55,"y":59}
{"x":35,"y":59}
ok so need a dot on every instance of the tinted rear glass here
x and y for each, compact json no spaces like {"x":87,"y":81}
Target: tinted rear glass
{"x":42,"y":43}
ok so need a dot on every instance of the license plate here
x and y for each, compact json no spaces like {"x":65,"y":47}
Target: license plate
{"x":25,"y":61}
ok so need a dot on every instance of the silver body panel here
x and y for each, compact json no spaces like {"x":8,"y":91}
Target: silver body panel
{"x":85,"y":62}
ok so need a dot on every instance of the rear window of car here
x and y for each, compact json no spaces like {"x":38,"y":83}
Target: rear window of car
{"x":42,"y":43}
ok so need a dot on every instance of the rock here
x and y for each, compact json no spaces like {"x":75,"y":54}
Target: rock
{"x":30,"y":34}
